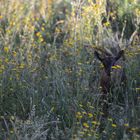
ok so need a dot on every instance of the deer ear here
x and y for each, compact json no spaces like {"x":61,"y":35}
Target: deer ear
{"x":120,"y":54}
{"x":98,"y":56}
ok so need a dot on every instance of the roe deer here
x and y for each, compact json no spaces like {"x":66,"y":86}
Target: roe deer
{"x":109,"y":75}
{"x":109,"y":58}
{"x":108,"y":62}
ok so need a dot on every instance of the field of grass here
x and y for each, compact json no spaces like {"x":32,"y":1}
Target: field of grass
{"x":50,"y":78}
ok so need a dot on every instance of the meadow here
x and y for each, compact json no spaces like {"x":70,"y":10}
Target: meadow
{"x":50,"y":78}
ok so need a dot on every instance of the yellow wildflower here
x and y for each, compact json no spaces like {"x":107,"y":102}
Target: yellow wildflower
{"x":14,"y":54}
{"x":6,"y":49}
{"x":57,"y":30}
{"x":12,"y":23}
{"x":41,"y":39}
{"x":43,"y":29}
{"x":32,"y":27}
{"x":106,"y":24}
{"x":137,"y":89}
{"x":90,"y":115}
{"x":126,"y":124}
{"x":1,"y":17}
{"x":86,"y":125}
{"x":114,"y":125}
{"x":78,"y":113}
{"x":79,"y":117}
{"x":95,"y":123}
{"x":101,"y":66}
{"x":37,"y":19}
{"x":38,"y":34}
{"x":116,"y":67}
{"x":84,"y":113}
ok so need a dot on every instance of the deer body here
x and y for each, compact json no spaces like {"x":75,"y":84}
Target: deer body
{"x":105,"y":82}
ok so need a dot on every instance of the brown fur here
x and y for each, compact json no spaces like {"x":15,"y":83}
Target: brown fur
{"x":110,"y":76}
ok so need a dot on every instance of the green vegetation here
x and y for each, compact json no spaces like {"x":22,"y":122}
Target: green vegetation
{"x":50,"y":78}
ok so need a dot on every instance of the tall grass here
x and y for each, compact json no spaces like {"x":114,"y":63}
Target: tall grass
{"x":49,"y":78}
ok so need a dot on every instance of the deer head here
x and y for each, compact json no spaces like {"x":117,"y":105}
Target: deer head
{"x":108,"y":60}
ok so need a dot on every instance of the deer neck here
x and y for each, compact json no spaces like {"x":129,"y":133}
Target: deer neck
{"x":107,"y":72}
